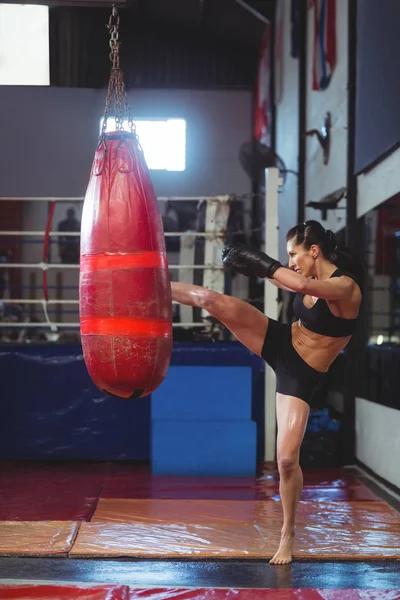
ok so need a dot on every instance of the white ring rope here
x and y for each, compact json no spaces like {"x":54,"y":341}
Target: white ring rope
{"x":81,"y":199}
{"x":48,"y":323}
{"x":47,"y":266}
{"x":204,"y":234}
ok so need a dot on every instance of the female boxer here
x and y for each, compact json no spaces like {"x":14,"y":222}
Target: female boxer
{"x":328,"y":287}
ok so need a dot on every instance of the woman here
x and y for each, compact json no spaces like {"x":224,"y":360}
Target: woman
{"x":326,"y":305}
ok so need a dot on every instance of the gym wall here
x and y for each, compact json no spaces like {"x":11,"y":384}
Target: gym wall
{"x":378,"y":90}
{"x":378,"y":86}
{"x":324,"y":179}
{"x":320,"y":179}
{"x":51,"y":136}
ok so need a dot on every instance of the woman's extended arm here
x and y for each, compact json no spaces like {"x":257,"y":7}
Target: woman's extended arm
{"x":279,"y":285}
{"x":253,"y":262}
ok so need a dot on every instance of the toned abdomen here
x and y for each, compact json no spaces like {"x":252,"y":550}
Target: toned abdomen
{"x":318,"y":351}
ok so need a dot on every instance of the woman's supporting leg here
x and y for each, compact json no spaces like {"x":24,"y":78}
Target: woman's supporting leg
{"x":292,"y":415}
{"x":247,"y":323}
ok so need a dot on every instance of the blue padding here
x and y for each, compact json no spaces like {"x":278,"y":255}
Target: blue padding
{"x":215,"y":354}
{"x":219,"y":448}
{"x":51,"y":410}
{"x":204,"y":393}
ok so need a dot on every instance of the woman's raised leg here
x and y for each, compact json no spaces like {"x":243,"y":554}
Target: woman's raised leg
{"x":292,"y":415}
{"x":247,"y":323}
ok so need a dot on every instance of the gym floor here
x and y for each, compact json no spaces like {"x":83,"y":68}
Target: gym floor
{"x":115,"y":531}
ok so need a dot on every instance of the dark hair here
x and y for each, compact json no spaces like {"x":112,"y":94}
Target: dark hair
{"x":313,"y":233}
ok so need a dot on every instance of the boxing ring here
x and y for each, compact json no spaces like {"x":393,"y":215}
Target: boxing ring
{"x":53,"y":288}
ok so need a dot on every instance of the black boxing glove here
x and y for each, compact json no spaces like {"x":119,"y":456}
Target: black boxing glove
{"x":233,"y":260}
{"x":249,"y":262}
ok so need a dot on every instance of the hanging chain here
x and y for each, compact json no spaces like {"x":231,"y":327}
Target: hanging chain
{"x":116,"y":85}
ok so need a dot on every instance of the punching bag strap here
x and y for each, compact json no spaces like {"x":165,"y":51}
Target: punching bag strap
{"x":116,"y":85}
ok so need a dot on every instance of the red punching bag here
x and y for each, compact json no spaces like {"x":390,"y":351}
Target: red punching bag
{"x":124,"y":288}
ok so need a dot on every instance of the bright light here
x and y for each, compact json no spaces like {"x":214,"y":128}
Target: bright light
{"x":379,"y":340}
{"x":163,"y":142}
{"x":24,"y":45}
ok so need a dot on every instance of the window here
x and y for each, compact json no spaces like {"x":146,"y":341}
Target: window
{"x":24,"y":45}
{"x":163,"y":142}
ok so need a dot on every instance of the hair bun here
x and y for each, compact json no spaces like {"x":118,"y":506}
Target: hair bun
{"x":331,"y":238}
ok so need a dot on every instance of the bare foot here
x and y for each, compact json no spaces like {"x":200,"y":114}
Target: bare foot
{"x":283,"y":555}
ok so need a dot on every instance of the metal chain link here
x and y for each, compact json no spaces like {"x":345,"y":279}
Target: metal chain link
{"x":116,"y":85}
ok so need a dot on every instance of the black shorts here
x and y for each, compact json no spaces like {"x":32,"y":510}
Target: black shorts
{"x":294,"y":377}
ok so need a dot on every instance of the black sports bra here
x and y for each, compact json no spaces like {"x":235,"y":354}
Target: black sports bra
{"x":319,"y":317}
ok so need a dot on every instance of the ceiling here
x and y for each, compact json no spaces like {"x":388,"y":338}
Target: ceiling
{"x":202,"y":44}
{"x":238,"y":21}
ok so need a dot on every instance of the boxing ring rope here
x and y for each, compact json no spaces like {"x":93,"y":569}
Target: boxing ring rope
{"x":214,"y":235}
{"x":81,"y":198}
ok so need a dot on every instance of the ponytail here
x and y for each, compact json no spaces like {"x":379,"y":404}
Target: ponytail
{"x":346,"y":260}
